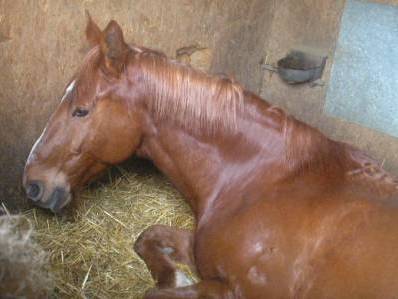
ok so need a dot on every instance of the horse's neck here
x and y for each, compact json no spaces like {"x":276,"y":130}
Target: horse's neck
{"x":192,"y":165}
{"x":203,"y":167}
{"x":266,"y":149}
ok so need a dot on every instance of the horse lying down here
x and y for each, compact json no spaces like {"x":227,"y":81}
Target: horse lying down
{"x":281,"y":210}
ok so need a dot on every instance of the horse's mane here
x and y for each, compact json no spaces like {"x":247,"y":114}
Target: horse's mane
{"x":307,"y":149}
{"x":201,"y":102}
{"x":204,"y":103}
{"x":192,"y":98}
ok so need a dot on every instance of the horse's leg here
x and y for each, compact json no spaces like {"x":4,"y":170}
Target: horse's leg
{"x":207,"y":289}
{"x":162,"y":248}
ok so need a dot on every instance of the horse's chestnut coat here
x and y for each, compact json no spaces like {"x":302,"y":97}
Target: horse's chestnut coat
{"x":282,"y":211}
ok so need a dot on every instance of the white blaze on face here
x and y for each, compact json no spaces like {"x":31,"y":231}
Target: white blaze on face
{"x":32,"y":154}
{"x":68,"y":90}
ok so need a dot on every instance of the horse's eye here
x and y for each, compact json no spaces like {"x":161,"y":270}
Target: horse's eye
{"x":80,"y":112}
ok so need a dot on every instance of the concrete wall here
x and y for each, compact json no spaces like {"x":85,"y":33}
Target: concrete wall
{"x":314,"y":25}
{"x":42,"y":42}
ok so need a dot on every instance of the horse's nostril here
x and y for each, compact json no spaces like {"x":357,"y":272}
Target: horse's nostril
{"x":34,"y":191}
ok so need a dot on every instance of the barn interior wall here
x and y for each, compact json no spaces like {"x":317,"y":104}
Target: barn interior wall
{"x":313,"y":25}
{"x":240,"y":50}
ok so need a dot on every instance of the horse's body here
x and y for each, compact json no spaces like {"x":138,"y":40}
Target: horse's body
{"x":282,"y":211}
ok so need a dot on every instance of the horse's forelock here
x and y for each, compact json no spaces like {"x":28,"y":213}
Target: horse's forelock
{"x":84,"y":77}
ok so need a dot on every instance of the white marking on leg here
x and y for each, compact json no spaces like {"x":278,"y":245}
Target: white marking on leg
{"x":68,"y":90}
{"x":167,"y":250}
{"x":257,"y":277}
{"x":182,"y":280}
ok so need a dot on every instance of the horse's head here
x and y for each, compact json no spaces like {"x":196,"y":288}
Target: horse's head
{"x":92,"y":127}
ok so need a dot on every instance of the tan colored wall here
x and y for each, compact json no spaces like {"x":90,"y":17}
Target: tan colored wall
{"x":42,"y":42}
{"x":240,"y":46}
{"x":314,"y":24}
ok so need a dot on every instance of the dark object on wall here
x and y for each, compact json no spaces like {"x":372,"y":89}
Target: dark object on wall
{"x":299,"y":67}
{"x":195,"y":55}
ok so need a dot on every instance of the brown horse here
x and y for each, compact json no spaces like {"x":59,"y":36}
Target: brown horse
{"x":282,"y":211}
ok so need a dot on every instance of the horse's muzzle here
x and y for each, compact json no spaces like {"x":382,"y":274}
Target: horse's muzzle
{"x":35,"y":190}
{"x":58,"y":199}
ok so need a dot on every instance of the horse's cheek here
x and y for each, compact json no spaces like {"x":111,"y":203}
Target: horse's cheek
{"x":115,"y":143}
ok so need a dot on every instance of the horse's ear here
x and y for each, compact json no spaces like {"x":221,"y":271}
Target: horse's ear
{"x":114,"y":48}
{"x":93,"y":33}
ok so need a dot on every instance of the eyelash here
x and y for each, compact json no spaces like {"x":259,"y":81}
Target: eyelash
{"x":80,"y":112}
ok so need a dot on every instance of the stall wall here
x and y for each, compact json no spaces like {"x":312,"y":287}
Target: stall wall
{"x":313,"y":25}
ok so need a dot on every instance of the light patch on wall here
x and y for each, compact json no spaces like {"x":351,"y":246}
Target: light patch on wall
{"x":364,"y":81}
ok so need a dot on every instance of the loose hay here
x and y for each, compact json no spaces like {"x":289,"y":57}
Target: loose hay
{"x":22,"y":261}
{"x":92,"y":256}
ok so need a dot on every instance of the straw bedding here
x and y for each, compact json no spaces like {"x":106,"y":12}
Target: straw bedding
{"x":23,"y":263}
{"x":91,"y":250}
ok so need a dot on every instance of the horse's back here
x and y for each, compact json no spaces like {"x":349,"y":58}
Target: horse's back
{"x":310,"y":245}
{"x":353,"y":253}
